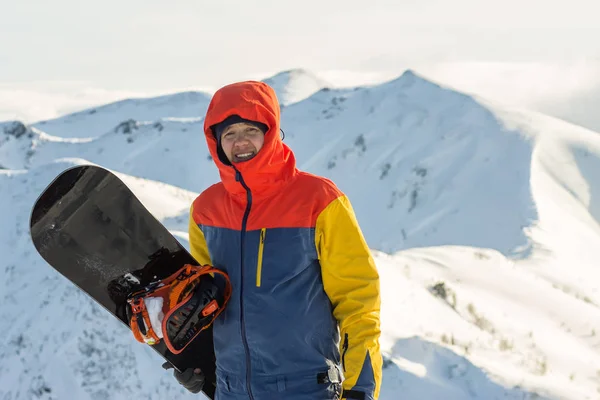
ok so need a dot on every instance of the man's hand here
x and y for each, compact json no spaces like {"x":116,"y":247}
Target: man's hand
{"x":192,"y":378}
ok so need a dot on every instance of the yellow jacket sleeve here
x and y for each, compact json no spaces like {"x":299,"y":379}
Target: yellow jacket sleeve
{"x":351,"y":282}
{"x":198,"y":247}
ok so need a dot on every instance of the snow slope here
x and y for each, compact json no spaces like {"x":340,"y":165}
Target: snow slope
{"x":420,"y":152}
{"x":485,"y":221}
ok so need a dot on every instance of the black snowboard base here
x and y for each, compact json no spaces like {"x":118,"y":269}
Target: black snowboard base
{"x":90,"y":227}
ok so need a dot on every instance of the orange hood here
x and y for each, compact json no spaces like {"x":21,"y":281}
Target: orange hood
{"x":275,"y":162}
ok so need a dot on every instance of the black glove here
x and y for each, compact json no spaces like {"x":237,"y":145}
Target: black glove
{"x":192,"y":378}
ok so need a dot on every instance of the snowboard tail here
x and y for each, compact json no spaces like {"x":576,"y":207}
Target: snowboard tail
{"x":90,"y":227}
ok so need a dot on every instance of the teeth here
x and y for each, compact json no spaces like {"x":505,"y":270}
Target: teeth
{"x":244,"y":155}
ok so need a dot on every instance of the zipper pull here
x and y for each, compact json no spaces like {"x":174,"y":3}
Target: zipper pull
{"x":238,"y":176}
{"x":344,"y":350}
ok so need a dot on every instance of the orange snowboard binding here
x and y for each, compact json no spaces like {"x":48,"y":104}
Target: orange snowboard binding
{"x":179,"y":307}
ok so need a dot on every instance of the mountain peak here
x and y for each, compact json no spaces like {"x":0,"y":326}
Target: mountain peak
{"x":295,"y":85}
{"x":294,"y":73}
{"x":410,"y":78}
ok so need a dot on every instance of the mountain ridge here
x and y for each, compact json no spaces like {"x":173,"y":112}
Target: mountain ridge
{"x":483,"y":220}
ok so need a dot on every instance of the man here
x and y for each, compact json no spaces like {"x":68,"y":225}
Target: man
{"x":304,"y":312}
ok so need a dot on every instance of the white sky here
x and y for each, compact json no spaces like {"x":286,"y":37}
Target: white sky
{"x":71,"y":52}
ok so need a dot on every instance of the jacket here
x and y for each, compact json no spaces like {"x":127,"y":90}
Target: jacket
{"x":305,"y":297}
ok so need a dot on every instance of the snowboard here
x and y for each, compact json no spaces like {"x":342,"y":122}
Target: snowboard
{"x":90,"y":227}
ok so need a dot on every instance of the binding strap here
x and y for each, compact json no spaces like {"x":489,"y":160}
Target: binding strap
{"x":195,"y":302}
{"x":140,"y":323}
{"x":188,"y":302}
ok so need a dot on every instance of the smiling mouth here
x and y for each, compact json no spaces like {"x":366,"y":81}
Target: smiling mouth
{"x":244,"y":156}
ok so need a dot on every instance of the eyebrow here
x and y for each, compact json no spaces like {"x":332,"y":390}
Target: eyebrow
{"x":250,"y":127}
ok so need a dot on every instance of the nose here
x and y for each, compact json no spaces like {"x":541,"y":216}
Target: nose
{"x":241,"y":141}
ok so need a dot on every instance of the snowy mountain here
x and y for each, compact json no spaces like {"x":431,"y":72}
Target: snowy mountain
{"x":291,"y":86}
{"x":366,"y":136}
{"x":96,"y":121}
{"x":295,"y":85}
{"x":485,"y":223}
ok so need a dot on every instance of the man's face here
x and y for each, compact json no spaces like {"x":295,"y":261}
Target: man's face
{"x":241,"y":141}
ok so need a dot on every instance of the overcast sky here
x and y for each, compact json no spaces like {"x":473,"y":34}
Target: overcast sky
{"x":117,"y":48}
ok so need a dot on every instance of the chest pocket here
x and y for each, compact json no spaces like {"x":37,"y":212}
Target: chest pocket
{"x":261,"y":249}
{"x":282,"y":254}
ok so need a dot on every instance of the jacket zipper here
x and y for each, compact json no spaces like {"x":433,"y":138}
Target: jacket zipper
{"x":344,"y":350}
{"x":239,"y":178}
{"x":261,"y":247}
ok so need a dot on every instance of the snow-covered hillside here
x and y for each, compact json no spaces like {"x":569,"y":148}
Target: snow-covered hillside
{"x":423,"y":165}
{"x":485,"y":223}
{"x":414,"y":147}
